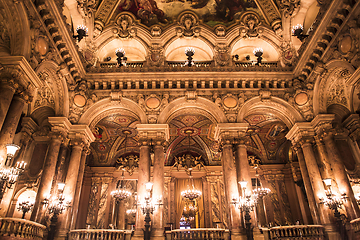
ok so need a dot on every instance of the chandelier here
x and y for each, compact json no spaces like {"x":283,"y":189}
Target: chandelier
{"x":189,"y":211}
{"x":191,"y":193}
{"x":121,"y":193}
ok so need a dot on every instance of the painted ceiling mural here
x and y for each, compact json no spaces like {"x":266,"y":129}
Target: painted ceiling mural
{"x":193,"y":134}
{"x":109,"y":132}
{"x":269,"y":135}
{"x":211,"y":12}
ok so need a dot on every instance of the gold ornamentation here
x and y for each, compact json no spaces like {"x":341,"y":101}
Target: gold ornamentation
{"x":129,"y":163}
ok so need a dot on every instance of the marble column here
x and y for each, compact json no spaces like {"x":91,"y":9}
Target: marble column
{"x":242,"y":166}
{"x":315,"y":178}
{"x":46,"y":176}
{"x":231,"y":186}
{"x":341,"y":177}
{"x":307,"y":184}
{"x":325,"y":168}
{"x":121,"y":214}
{"x":7,"y":89}
{"x":11,"y":122}
{"x":70,"y":184}
{"x":143,"y":178}
{"x":59,"y":128}
{"x":158,"y":190}
{"x":79,"y":183}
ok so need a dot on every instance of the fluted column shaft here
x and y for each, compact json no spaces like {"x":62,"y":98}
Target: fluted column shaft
{"x":158,"y":189}
{"x":315,"y":179}
{"x":341,"y":177}
{"x":231,"y":187}
{"x":7,"y":93}
{"x":309,"y":191}
{"x":47,"y":176}
{"x":143,"y":178}
{"x":8,"y":130}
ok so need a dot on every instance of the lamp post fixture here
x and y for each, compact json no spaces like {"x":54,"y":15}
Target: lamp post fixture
{"x":121,"y":59}
{"x":148,"y":208}
{"x":8,"y":174}
{"x":258,"y":52}
{"x":56,"y":207}
{"x":298,"y":31}
{"x":81,"y":31}
{"x":24,"y":207}
{"x":189,"y":52}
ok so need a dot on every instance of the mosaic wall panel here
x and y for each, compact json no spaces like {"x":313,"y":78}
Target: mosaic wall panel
{"x":215,"y":203}
{"x":92,"y":206}
{"x":224,"y":205}
{"x":100,"y":223}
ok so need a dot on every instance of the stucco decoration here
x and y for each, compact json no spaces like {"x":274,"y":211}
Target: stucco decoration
{"x":86,"y":7}
{"x":250,"y":26}
{"x":188,"y":25}
{"x":125,"y":26}
{"x":288,"y":7}
{"x":156,"y":56}
{"x":222,"y":56}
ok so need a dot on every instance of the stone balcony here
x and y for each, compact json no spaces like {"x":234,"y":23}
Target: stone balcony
{"x":16,"y":228}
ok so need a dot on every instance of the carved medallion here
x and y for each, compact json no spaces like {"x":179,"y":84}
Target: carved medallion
{"x":152,"y":102}
{"x":345,"y":44}
{"x":79,"y":100}
{"x":301,"y":98}
{"x":230,"y":102}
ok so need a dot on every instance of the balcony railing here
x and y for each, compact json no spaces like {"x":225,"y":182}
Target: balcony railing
{"x":309,"y":232}
{"x":198,"y":234}
{"x":21,"y":228}
{"x":100,"y":234}
{"x":355,"y":225}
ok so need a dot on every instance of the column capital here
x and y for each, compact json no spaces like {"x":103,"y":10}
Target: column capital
{"x":322,"y":123}
{"x":59,"y":127}
{"x":28,"y":125}
{"x":230,"y":131}
{"x":300,"y":132}
{"x":154,"y":132}
{"x":352,"y":123}
{"x":81,"y":135}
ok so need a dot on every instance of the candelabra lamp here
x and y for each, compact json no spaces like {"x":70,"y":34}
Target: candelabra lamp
{"x":335,"y":203}
{"x":81,"y":31}
{"x":8,"y":174}
{"x":56,"y":206}
{"x":147,"y":209}
{"x":24,"y":207}
{"x":121,"y":59}
{"x":189,"y":52}
{"x":298,"y":31}
{"x":258,"y":52}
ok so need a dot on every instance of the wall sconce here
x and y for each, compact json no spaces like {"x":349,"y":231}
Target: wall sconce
{"x":121,"y":59}
{"x":82,"y":32}
{"x":332,"y":201}
{"x":24,"y":207}
{"x":56,"y":206}
{"x":298,"y":31}
{"x":258,"y":52}
{"x":9,"y":175}
{"x":189,"y":52}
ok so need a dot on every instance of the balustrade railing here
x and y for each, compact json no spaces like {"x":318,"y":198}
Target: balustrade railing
{"x":198,"y":234}
{"x":100,"y":234}
{"x":308,"y":232}
{"x":21,"y":228}
{"x":355,"y":225}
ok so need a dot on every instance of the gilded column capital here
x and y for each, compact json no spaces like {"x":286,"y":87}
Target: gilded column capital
{"x":230,"y":133}
{"x":59,"y":128}
{"x":322,"y":124}
{"x":80,"y":135}
{"x":301,"y":133}
{"x":352,"y":124}
{"x":153,"y":133}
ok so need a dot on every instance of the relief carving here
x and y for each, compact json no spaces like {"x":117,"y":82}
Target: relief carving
{"x":188,"y":26}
